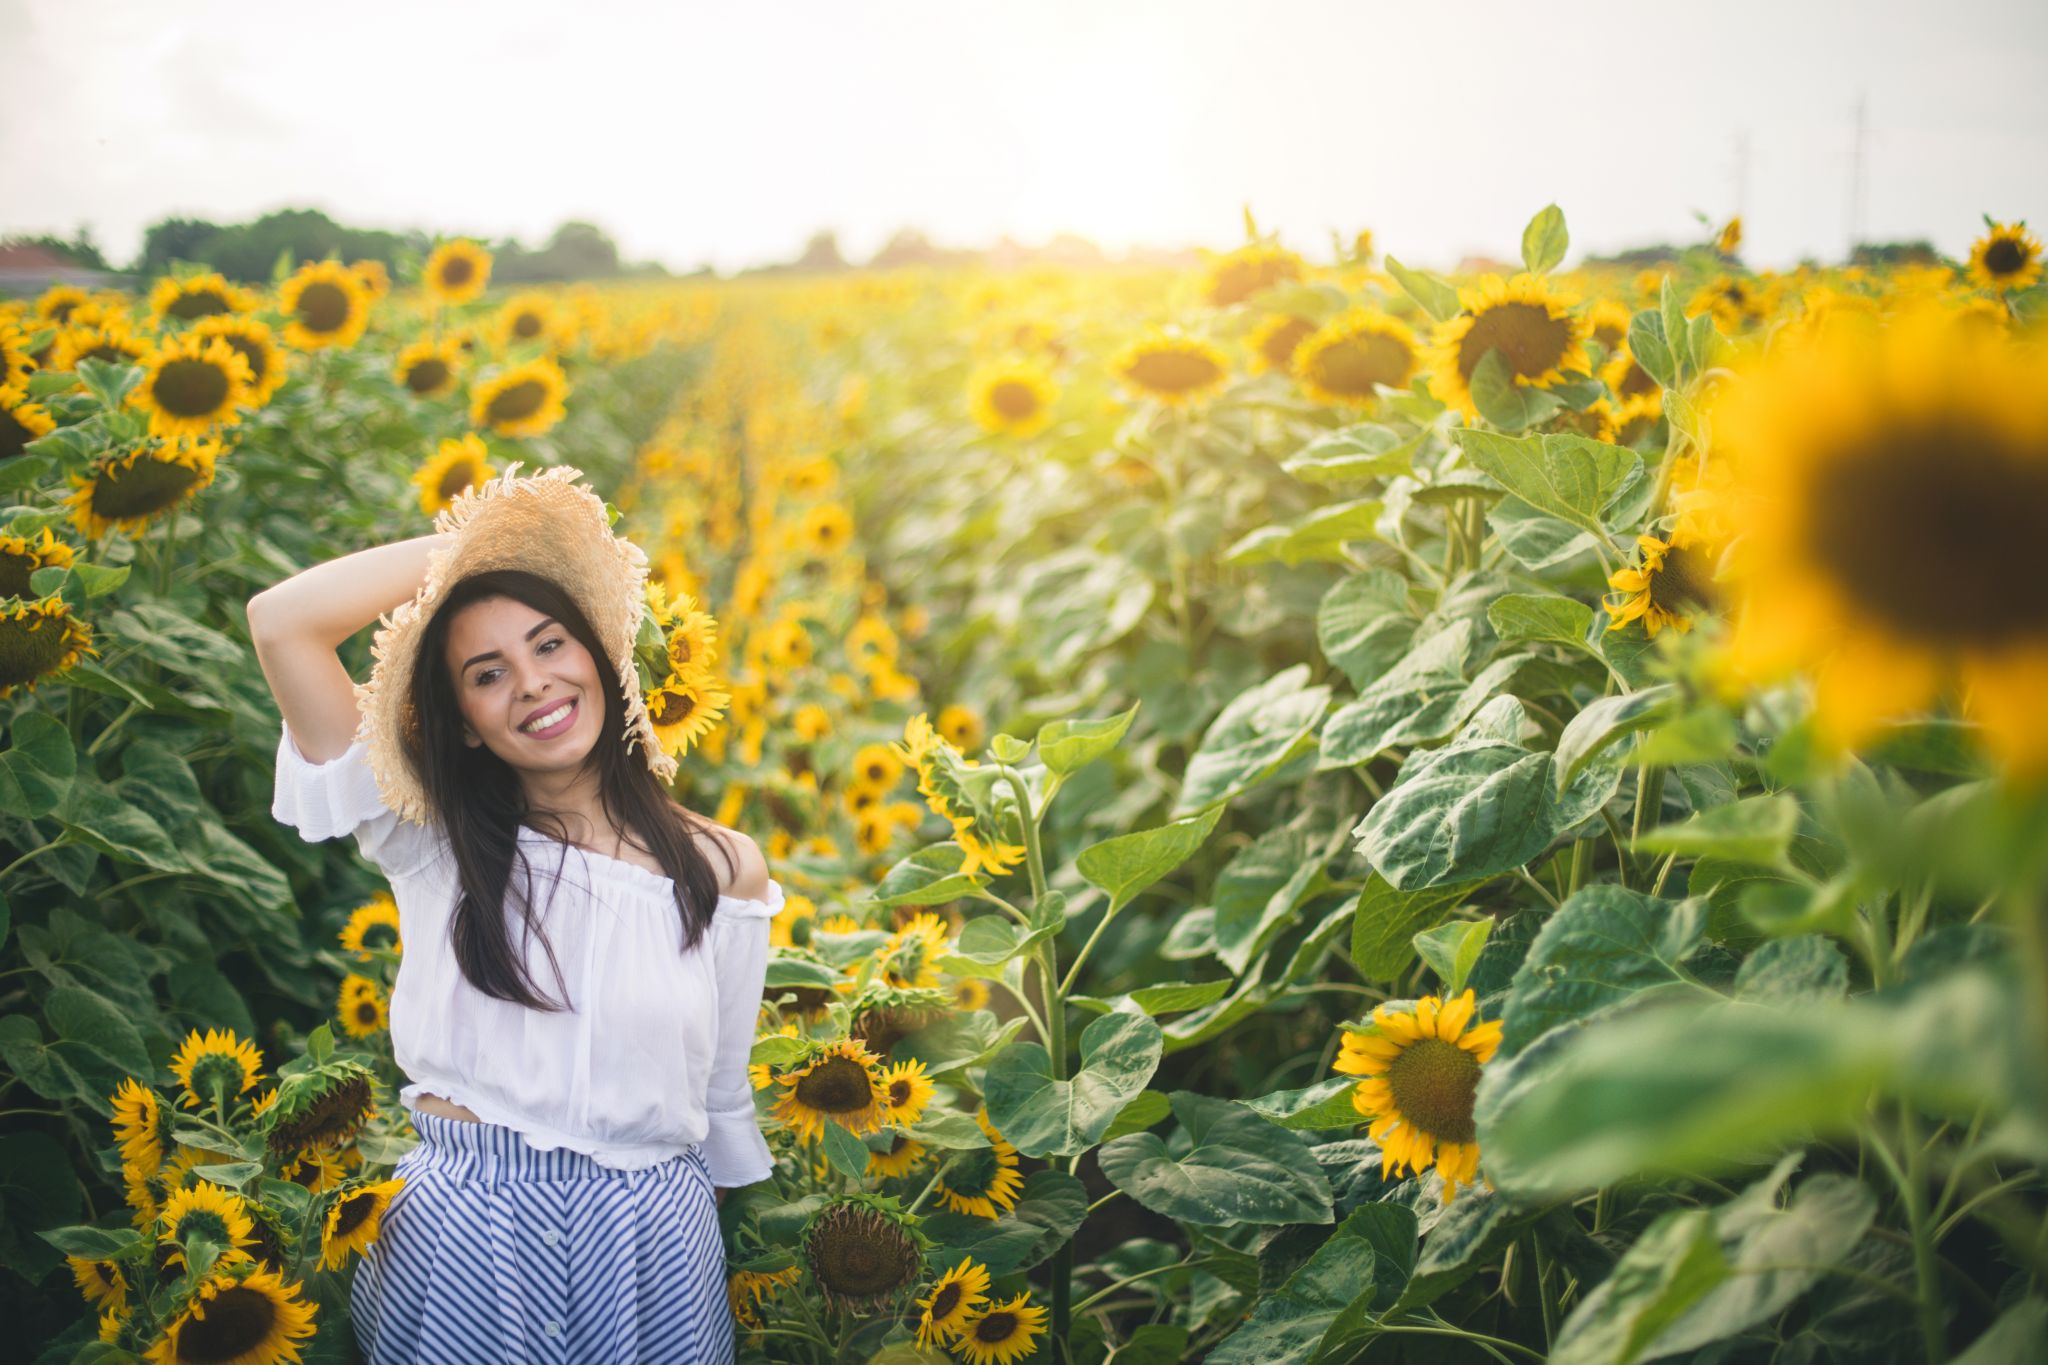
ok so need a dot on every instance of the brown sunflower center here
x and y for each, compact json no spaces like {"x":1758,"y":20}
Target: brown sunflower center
{"x":14,"y":572}
{"x":1355,"y":364}
{"x":323,"y":307}
{"x":945,"y":1301}
{"x":1684,"y":582}
{"x":201,"y":303}
{"x":141,"y":489}
{"x":254,"y":354}
{"x":105,"y":1273}
{"x":1528,"y":338}
{"x":995,"y":1327}
{"x":2005,"y":256}
{"x":355,"y":1208}
{"x":837,"y":1085}
{"x":191,"y":388}
{"x":456,"y":478}
{"x":457,"y":271}
{"x":1278,"y":347}
{"x":366,"y":1011}
{"x":1013,"y":400}
{"x":899,"y":1093}
{"x":14,"y":435}
{"x":1433,"y":1083}
{"x":1172,"y":371}
{"x":671,"y":707}
{"x":516,"y":402}
{"x":427,"y":376}
{"x":861,"y":1254}
{"x":527,"y":325}
{"x":237,"y":1322}
{"x":1936,"y":531}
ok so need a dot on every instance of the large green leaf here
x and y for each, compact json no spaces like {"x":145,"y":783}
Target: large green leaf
{"x":930,"y":876}
{"x":1259,"y":733}
{"x":1239,"y":1168}
{"x":1319,"y":535}
{"x":1129,"y":863}
{"x":1605,"y":944}
{"x":1564,"y":476}
{"x":1607,"y":719}
{"x":1362,"y":624}
{"x":1324,"y":1105}
{"x":94,"y":815}
{"x":36,"y":771}
{"x":1548,"y":617}
{"x":1258,"y":892}
{"x":1042,"y":1116}
{"x":1757,"y":830}
{"x":79,"y":1016}
{"x":1049,"y":1208}
{"x":1437,"y":298}
{"x":1480,"y":806}
{"x":1365,"y":451}
{"x":1066,"y":746}
{"x":988,"y":941}
{"x":1536,"y":539}
{"x":1452,"y":950}
{"x":1508,"y":404}
{"x":1544,"y":240}
{"x":1416,"y":699}
{"x":1387,"y":920}
{"x":1665,"y":1272}
{"x":1803,"y":967}
{"x":1288,"y":1325}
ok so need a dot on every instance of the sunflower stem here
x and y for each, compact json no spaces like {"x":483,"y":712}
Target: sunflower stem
{"x":1913,"y":1188}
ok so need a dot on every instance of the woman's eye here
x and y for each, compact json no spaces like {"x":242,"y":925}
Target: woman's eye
{"x":489,"y":675}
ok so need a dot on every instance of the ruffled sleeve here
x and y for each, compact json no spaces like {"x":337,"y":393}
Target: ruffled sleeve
{"x":328,"y":800}
{"x":735,"y":1152}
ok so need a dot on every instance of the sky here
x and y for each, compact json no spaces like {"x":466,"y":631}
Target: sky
{"x":726,"y":134}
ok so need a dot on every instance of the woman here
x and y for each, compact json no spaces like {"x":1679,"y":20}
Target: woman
{"x":576,"y":1051}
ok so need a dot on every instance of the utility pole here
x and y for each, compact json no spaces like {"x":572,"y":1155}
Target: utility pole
{"x":1741,"y":173}
{"x":1857,"y":190}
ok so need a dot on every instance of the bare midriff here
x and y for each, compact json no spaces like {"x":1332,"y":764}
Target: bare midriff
{"x":434,"y":1104}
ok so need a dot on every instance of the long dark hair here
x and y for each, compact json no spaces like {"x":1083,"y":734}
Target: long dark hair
{"x":481,"y":802}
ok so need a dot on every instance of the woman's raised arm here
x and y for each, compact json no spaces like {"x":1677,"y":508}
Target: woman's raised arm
{"x":299,"y":624}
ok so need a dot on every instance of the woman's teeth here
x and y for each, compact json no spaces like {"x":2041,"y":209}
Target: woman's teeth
{"x":553,"y":717}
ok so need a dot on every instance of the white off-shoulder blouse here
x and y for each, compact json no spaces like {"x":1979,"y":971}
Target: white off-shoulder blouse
{"x":653,"y":1056}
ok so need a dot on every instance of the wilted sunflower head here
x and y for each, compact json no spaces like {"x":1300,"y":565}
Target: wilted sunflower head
{"x":860,"y":1254}
{"x":128,"y":491}
{"x":38,"y":641}
{"x":322,"y":1108}
{"x":2006,"y":257}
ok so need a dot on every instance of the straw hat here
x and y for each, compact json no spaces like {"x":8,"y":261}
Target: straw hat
{"x":542,"y":523}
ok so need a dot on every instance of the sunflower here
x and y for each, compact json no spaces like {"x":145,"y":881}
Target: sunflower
{"x":869,"y":641}
{"x":58,"y":302}
{"x":1347,"y":359}
{"x":1273,"y":341}
{"x":1674,"y":584}
{"x":370,"y":926}
{"x":1013,"y":399}
{"x":2006,"y":257}
{"x":215,"y":1066}
{"x":825,"y":530}
{"x":811,"y":723}
{"x":981,"y":1179}
{"x":327,"y":305}
{"x":362,"y":1012}
{"x":908,"y":958}
{"x":190,"y":385}
{"x":1636,"y":419}
{"x":909,"y":1091}
{"x":21,"y":422}
{"x":353,"y":1221}
{"x":1237,"y":275}
{"x":984,"y":854}
{"x":373,"y":275}
{"x":876,"y":768}
{"x":126,"y":492}
{"x":1736,"y":301}
{"x":112,"y":342}
{"x":970,"y":993}
{"x":1007,"y":1331}
{"x":962,"y":727}
{"x":255,"y":1320}
{"x":100,"y":1281}
{"x":1172,"y":368}
{"x":683,"y":712}
{"x":528,"y":316}
{"x":141,"y":1125}
{"x":841,"y":1083}
{"x":1728,"y":240}
{"x":17,"y":362}
{"x":524,"y":400}
{"x":428,"y":368}
{"x":860,"y":1254}
{"x":461,"y":462}
{"x":317,"y":1171}
{"x":786,"y":645}
{"x":1896,"y":481}
{"x":324,"y":1109}
{"x":691,"y":641}
{"x":903,"y":1154}
{"x":1607,"y":322}
{"x":269,"y":363}
{"x":217,"y":1214}
{"x":202,"y":296}
{"x":457,"y":271}
{"x":1419,"y":1074}
{"x":952,"y":1304}
{"x":38,"y":641}
{"x":1525,"y":319}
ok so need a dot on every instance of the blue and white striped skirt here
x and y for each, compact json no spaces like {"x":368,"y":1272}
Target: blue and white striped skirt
{"x":495,"y":1251}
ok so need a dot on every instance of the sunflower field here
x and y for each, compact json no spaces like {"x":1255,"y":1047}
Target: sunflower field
{"x":1329,"y":813}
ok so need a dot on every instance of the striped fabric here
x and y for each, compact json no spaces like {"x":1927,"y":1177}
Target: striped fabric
{"x":497,"y":1251}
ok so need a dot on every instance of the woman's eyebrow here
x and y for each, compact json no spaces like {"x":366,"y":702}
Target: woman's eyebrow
{"x":495,"y":654}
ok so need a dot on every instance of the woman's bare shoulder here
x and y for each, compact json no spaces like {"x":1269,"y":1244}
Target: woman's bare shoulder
{"x":749,"y":866}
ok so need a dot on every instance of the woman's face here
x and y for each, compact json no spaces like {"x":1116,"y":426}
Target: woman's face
{"x":513,"y":665}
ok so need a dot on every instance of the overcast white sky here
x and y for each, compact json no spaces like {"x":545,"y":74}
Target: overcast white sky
{"x":726,"y":133}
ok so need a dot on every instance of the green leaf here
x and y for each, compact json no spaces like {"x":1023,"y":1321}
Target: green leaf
{"x":1239,"y":1168}
{"x":1287,"y":1326}
{"x":1672,"y":310}
{"x":91,"y":1243}
{"x":1365,"y":451}
{"x":1258,"y":892}
{"x":1548,"y":617}
{"x":1042,"y":1116}
{"x":1320,"y":535}
{"x":1569,"y":477}
{"x":988,"y":941}
{"x":37,"y":771}
{"x":930,"y":876}
{"x":320,"y":1042}
{"x":776,"y":1049}
{"x":1417,"y":699}
{"x":1127,"y":864}
{"x":950,"y":1131}
{"x":1141,"y":1113}
{"x":1544,"y":240}
{"x":957,"y":1041}
{"x":108,"y":382}
{"x":844,"y":1149}
{"x":1434,"y":296}
{"x":1476,"y":1228}
{"x":1505,"y":403}
{"x":1603,"y":945}
{"x":2008,"y":1340}
{"x":1362,"y":623}
{"x":1050,"y":1207}
{"x":1536,"y":539}
{"x":1067,"y":746}
{"x":1170,"y":998}
{"x":1668,"y":1269}
{"x":1606,"y":720}
{"x":1647,"y":344}
{"x":1324,"y":1105}
{"x":1388,"y":920}
{"x":1757,"y":830}
{"x":77,"y":1015}
{"x":1258,"y":733}
{"x":1452,"y":949}
{"x":1009,"y":748}
{"x":1803,"y":967}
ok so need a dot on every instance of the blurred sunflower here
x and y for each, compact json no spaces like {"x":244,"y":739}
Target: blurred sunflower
{"x":1013,"y":399}
{"x":1419,"y":1074}
{"x":257,"y":1319}
{"x":113,"y":343}
{"x":1272,"y":342}
{"x":1171,"y":367}
{"x":1626,"y":379}
{"x":1525,"y":319}
{"x":101,"y":1282}
{"x":192,"y":384}
{"x":841,"y":1083}
{"x":523,"y":400}
{"x":825,"y":530}
{"x":961,"y":726}
{"x":17,"y":362}
{"x":1737,"y":302}
{"x":58,"y":302}
{"x":373,"y":275}
{"x":1674,"y":584}
{"x":130,"y":490}
{"x":1007,"y":1331}
{"x":527,"y":317}
{"x":215,"y":1064}
{"x":981,"y":1180}
{"x":268,"y":362}
{"x":1728,"y":240}
{"x":2006,"y":257}
{"x":428,"y":368}
{"x":201,"y":296}
{"x":354,"y":1219}
{"x":876,"y":767}
{"x":1607,"y":322}
{"x":461,"y":462}
{"x":456,"y":272}
{"x":21,"y":422}
{"x":1897,"y":482}
{"x":1237,"y":275}
{"x":953,"y":1303}
{"x":970,"y":993}
{"x":363,"y":1012}
{"x":1347,"y":359}
{"x":38,"y":641}
{"x":327,"y":305}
